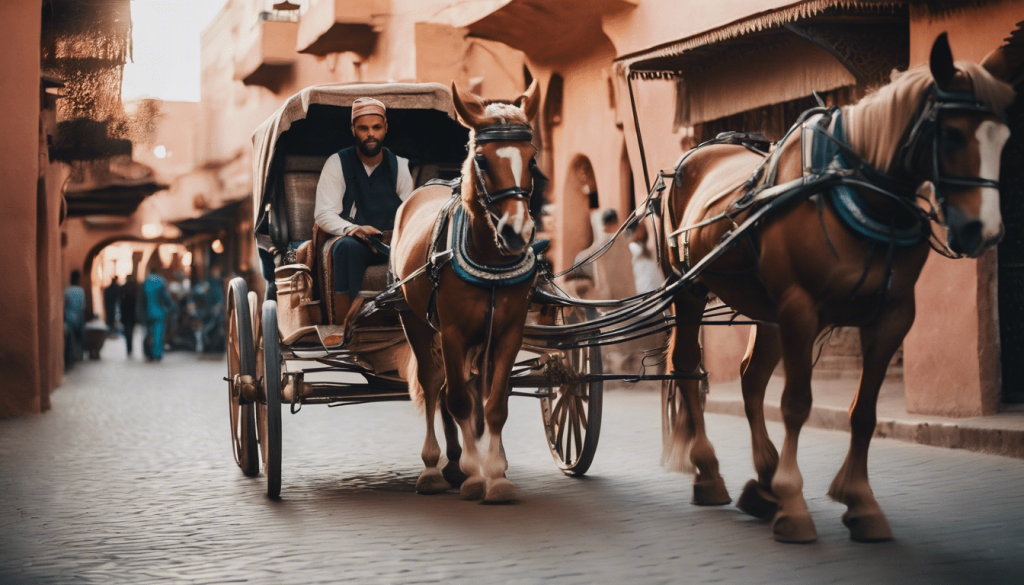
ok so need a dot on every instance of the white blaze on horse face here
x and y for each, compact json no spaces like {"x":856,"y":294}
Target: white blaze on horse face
{"x":515,"y":159}
{"x":991,"y":137}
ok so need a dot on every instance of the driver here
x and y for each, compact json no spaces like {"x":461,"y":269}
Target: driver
{"x":358,"y":195}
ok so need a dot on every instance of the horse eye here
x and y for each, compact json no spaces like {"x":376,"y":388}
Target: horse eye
{"x":481,"y":162}
{"x":953,"y":138}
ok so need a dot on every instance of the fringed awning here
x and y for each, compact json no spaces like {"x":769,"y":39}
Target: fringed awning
{"x":779,"y":56}
{"x":658,"y":59}
{"x":785,"y":69}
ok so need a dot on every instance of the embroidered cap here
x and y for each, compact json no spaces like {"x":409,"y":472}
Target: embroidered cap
{"x":365,"y":106}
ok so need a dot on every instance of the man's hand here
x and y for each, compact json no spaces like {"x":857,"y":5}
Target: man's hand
{"x":364,"y":232}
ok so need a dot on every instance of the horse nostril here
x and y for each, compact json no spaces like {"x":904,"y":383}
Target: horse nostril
{"x":969,"y":237}
{"x":513,"y":241}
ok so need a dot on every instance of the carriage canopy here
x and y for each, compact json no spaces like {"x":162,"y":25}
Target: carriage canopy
{"x":421,"y":127}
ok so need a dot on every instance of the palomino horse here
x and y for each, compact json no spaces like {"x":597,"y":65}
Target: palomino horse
{"x":479,"y":322}
{"x":933,"y":132}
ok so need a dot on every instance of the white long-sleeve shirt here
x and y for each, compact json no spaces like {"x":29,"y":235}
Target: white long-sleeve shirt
{"x":330,"y":192}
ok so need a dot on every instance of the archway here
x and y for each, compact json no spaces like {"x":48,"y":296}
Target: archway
{"x":120,"y":256}
{"x":579,"y":198}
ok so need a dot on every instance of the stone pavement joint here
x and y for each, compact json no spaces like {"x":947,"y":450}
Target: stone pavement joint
{"x":130,"y":479}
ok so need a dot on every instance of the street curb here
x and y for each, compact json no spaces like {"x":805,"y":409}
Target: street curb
{"x":1005,"y":442}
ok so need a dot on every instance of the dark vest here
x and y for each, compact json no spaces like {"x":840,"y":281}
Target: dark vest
{"x":370,"y":200}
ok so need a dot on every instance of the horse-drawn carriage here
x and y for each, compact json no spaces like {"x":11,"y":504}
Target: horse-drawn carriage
{"x":279,"y":353}
{"x":828,"y":227}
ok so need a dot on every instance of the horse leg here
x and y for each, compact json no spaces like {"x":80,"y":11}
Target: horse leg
{"x":879,"y":342}
{"x":430,"y":379}
{"x":763,"y":353}
{"x":453,"y":449}
{"x":689,"y":436}
{"x":459,"y":399}
{"x":798,"y":326}
{"x":499,"y":488}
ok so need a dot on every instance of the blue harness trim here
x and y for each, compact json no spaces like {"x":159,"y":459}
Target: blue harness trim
{"x":483,"y":276}
{"x":902,"y":229}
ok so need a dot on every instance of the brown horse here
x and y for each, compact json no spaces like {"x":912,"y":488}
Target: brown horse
{"x":480,"y":327}
{"x":933,"y":132}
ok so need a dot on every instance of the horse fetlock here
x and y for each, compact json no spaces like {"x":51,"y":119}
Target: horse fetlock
{"x":431,"y":454}
{"x":495,"y":467}
{"x":788,"y":486}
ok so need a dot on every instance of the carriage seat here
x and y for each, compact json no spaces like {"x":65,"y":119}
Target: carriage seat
{"x":301,"y":175}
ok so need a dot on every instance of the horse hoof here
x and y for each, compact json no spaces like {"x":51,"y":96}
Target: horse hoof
{"x":500,"y":491}
{"x":473,"y":488}
{"x":797,"y":528}
{"x":868,"y":527}
{"x":710,"y":492}
{"x":453,"y":474}
{"x":757,"y":501}
{"x":432,"y":482}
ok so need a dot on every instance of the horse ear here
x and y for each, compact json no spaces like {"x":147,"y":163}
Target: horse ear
{"x":468,"y":107}
{"x":941,"y":62}
{"x":529,"y":102}
{"x":995,"y":63}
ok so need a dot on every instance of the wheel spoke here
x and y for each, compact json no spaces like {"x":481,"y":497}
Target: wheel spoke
{"x":577,"y":433}
{"x":561,"y":423}
{"x":582,"y":409}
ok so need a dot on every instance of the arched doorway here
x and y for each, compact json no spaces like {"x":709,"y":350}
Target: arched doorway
{"x":579,"y":198}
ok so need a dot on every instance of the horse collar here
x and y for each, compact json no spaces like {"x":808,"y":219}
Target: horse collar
{"x":827,"y":152}
{"x":480,"y":275}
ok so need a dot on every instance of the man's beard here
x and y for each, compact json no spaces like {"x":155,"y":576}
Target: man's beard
{"x":367,"y":150}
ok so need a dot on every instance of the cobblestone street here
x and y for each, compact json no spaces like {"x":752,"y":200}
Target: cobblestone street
{"x":130,"y":479}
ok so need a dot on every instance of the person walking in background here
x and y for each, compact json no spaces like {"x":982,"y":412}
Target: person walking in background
{"x":74,"y":320}
{"x":111,"y":300}
{"x":158,"y":303}
{"x":129,"y":304}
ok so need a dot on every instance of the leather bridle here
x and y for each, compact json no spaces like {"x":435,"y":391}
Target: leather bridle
{"x":501,"y":133}
{"x":925,"y":129}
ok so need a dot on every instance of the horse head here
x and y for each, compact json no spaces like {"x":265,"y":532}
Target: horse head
{"x":498,"y":176}
{"x":955,"y":146}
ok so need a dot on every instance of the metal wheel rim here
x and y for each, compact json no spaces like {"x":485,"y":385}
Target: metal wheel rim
{"x":572,"y":415}
{"x":240,"y":415}
{"x":270,"y":414}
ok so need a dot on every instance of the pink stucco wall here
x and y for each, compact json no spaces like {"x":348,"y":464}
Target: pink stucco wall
{"x":951,"y":355}
{"x":20,"y":384}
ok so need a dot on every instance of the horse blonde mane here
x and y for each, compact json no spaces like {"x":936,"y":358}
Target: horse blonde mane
{"x":875,"y":124}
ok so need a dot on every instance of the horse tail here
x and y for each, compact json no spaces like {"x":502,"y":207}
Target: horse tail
{"x":407,"y":368}
{"x":677,"y":444}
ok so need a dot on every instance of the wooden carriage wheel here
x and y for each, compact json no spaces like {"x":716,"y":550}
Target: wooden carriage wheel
{"x":572,"y":413}
{"x":268,"y":412}
{"x":241,"y":361}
